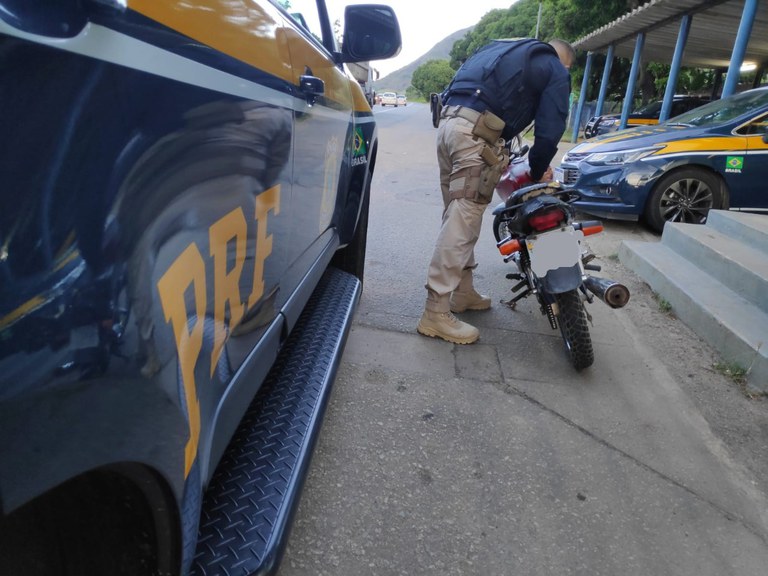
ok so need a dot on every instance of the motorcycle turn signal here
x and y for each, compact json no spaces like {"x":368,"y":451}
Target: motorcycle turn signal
{"x":509,"y":246}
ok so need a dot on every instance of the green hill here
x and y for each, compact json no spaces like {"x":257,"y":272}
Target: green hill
{"x":399,"y":80}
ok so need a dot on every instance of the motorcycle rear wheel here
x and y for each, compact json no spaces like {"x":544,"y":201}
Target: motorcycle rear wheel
{"x":500,"y":227}
{"x":572,"y":319}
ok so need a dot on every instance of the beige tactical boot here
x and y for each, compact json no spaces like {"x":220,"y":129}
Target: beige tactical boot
{"x":461,"y":301}
{"x":446,"y":326}
{"x":465,"y":297}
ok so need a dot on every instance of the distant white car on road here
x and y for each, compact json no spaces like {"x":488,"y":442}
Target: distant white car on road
{"x":401,"y":100}
{"x":388,"y":99}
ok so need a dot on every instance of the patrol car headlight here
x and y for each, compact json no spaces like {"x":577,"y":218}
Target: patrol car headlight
{"x":620,"y":157}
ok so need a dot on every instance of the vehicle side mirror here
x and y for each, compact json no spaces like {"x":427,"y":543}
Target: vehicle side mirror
{"x":765,"y":137}
{"x":371,"y":32}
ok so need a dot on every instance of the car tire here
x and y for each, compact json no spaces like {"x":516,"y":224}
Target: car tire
{"x":685,"y":195}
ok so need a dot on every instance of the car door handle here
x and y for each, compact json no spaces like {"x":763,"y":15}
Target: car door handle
{"x":311,"y":86}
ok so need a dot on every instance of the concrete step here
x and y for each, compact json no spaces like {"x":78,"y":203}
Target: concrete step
{"x":736,"y":264}
{"x":734,"y":326}
{"x":750,"y":229}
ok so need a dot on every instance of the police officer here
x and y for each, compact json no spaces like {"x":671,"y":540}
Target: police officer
{"x":495,"y":94}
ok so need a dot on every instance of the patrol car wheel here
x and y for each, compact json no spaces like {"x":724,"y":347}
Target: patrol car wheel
{"x":97,"y":524}
{"x":685,"y":195}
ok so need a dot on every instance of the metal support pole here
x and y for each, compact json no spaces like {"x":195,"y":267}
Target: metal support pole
{"x":630,"y":95}
{"x":759,"y":75}
{"x":605,"y":81}
{"x":717,"y":83}
{"x":538,"y":22}
{"x":740,"y":47}
{"x":674,"y":72}
{"x":582,"y":97}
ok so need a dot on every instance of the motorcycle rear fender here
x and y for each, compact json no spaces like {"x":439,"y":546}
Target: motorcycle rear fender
{"x":499,"y":208}
{"x":561,"y":279}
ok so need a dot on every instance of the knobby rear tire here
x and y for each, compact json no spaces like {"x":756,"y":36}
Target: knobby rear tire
{"x":500,"y":227}
{"x":572,"y":319}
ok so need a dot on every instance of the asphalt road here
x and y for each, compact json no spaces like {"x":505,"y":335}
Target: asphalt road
{"x":497,"y":458}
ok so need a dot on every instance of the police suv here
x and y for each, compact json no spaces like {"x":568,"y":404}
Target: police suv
{"x":183,"y":214}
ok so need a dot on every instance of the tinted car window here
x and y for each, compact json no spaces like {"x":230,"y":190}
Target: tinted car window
{"x":725,"y":110}
{"x":654,"y":108}
{"x":758,"y":126}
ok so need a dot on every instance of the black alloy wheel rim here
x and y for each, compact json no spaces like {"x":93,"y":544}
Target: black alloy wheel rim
{"x":687,"y":200}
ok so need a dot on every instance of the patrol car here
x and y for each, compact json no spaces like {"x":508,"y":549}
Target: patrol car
{"x":712,"y":157}
{"x":645,"y":116}
{"x":183,"y":215}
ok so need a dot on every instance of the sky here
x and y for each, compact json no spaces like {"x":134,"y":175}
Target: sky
{"x":424,"y":23}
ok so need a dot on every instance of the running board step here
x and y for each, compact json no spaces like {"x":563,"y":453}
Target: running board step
{"x":249,"y":506}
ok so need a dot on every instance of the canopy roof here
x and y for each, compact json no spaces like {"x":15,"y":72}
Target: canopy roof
{"x":714,"y":26}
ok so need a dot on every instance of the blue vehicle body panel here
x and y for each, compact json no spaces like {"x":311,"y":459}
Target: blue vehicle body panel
{"x":166,"y":212}
{"x":732,"y":150}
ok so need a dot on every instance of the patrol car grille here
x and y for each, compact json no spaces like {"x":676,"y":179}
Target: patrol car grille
{"x":570,"y":175}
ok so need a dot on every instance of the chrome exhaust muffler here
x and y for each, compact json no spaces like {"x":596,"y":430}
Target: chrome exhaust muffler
{"x":612,"y":293}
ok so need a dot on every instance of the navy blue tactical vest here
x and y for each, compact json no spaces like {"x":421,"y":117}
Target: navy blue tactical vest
{"x":503,"y":87}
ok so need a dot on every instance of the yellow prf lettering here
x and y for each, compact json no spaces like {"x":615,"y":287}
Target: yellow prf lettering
{"x":187,"y":270}
{"x":226,"y":284}
{"x":266,"y":201}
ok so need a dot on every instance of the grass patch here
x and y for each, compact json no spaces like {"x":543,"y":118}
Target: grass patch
{"x":732,"y":371}
{"x":664,"y":305}
{"x":737,"y":374}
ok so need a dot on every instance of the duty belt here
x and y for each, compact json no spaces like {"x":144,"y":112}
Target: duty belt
{"x":461,"y":112}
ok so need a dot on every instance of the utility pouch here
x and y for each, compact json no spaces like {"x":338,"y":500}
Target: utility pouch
{"x":488,"y":127}
{"x":489,"y":156}
{"x":496,"y":160}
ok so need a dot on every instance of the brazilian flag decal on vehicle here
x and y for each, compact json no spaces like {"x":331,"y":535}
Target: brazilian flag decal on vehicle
{"x":359,"y":143}
{"x":360,"y":150}
{"x":734,"y":164}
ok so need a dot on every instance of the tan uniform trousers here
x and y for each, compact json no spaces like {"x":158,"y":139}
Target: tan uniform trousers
{"x":454,"y":254}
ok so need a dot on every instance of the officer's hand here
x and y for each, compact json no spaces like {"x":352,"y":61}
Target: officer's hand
{"x":548,"y":176}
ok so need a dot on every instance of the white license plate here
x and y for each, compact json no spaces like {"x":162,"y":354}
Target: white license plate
{"x":559,"y":175}
{"x":553,"y":250}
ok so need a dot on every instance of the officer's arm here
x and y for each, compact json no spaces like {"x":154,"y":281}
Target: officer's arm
{"x":551,"y":117}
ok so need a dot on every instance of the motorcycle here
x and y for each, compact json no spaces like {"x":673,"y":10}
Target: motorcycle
{"x":535,"y":228}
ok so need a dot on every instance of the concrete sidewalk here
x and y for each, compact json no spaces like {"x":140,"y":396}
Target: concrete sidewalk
{"x":498,"y":458}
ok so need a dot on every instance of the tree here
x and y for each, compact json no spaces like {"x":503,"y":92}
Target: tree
{"x":432,"y":76}
{"x":518,"y":21}
{"x":572,"y":19}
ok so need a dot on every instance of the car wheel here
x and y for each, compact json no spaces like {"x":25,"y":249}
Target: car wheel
{"x":685,"y":195}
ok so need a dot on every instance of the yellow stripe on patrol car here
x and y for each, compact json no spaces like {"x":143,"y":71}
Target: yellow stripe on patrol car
{"x":256,"y":34}
{"x":642,"y":121}
{"x":756,"y":142}
{"x":28,"y":307}
{"x":715,"y":144}
{"x":245,"y":31}
{"x":358,"y":99}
